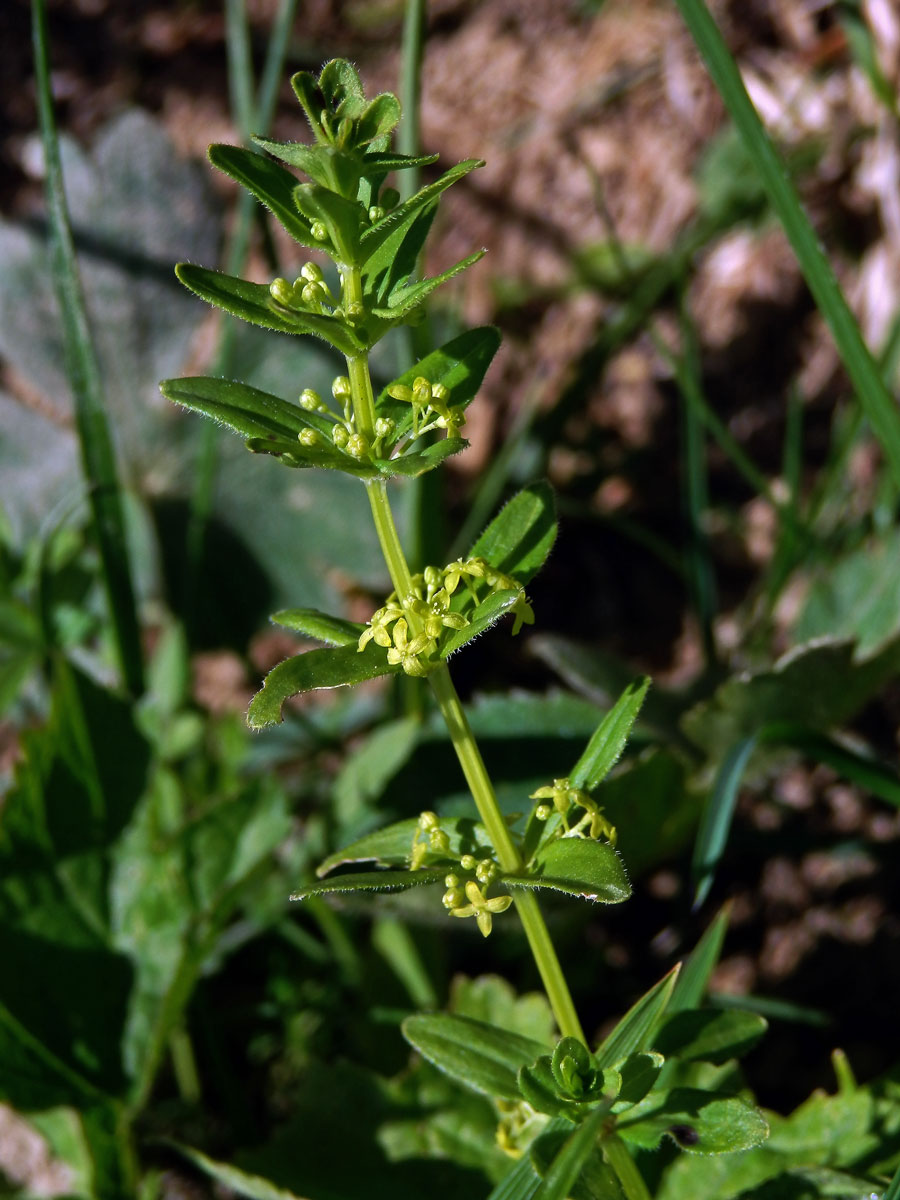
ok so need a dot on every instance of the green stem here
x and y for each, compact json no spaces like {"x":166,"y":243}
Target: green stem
{"x":632,"y":1181}
{"x":460,"y":731}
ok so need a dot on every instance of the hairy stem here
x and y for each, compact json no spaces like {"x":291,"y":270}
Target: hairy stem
{"x":461,"y":735}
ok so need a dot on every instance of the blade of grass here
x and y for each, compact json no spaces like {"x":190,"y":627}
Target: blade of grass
{"x":695,"y":494}
{"x":864,"y":373}
{"x":715,"y":823}
{"x":250,"y":118}
{"x":95,"y":440}
{"x":575,"y":1151}
{"x":893,"y":1192}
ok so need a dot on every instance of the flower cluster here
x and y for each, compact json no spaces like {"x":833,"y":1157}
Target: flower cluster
{"x":563,"y":796}
{"x":411,"y":631}
{"x":430,"y":409}
{"x":464,"y":897}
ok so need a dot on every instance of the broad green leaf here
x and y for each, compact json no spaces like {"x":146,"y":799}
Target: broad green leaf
{"x":372,"y":881}
{"x":567,"y":1163}
{"x":324,"y":628}
{"x":608,"y":742}
{"x":271,"y":184}
{"x":708,"y":1035}
{"x":522,"y":534}
{"x":579,"y":866}
{"x":698,"y":1121}
{"x":232,"y":1178}
{"x":251,"y":302}
{"x":315,"y":669}
{"x":482,"y":1057}
{"x":460,"y":366}
{"x":403,"y":300}
{"x":391,"y":846}
{"x":488,"y":613}
{"x":638,"y":1073}
{"x":636,"y":1029}
{"x":538,"y":1088}
{"x":414,"y":463}
{"x":715,"y":823}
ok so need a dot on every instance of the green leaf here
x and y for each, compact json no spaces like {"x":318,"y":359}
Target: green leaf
{"x":709,"y":1036}
{"x":608,"y":742}
{"x":402,"y":217}
{"x":635,"y":1030}
{"x":251,"y":302}
{"x":639,"y":1072}
{"x":522,"y":1181}
{"x":482,"y":1057}
{"x":893,"y":1192}
{"x":567,"y":1163}
{"x":522,"y":534}
{"x":698,"y":1121}
{"x":864,"y":372}
{"x":460,"y":366}
{"x":715,"y":822}
{"x":414,"y":463}
{"x":315,"y":669}
{"x":488,"y":613}
{"x":340,"y":216}
{"x":314,"y":624}
{"x":693,"y":979}
{"x":246,"y":410}
{"x":271,"y":184}
{"x":403,"y":300}
{"x":579,"y":866}
{"x":538,"y":1088}
{"x":391,"y":846}
{"x":372,"y":881}
{"x":325,"y":165}
{"x":396,"y":259}
{"x":232,"y":1178}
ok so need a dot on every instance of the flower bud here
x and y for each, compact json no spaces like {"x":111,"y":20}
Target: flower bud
{"x":451,"y":881}
{"x":543,"y":811}
{"x":311,"y":272}
{"x":319,"y":231}
{"x":340,"y":388}
{"x":308,"y":437}
{"x":468,"y":862}
{"x":384,"y":427}
{"x":357,"y":446}
{"x":340,"y":436}
{"x":429,"y":820}
{"x":310,"y":400}
{"x":281,"y":292}
{"x":376,"y":213}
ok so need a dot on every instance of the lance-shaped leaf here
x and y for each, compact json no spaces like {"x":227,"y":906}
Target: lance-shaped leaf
{"x":294,"y":454}
{"x":478,"y":1055}
{"x":392,"y":264}
{"x":391,"y":846}
{"x":334,"y":631}
{"x":246,"y":410}
{"x":405,"y":299}
{"x":404,"y":214}
{"x":709,"y":1036}
{"x":270,"y":183}
{"x":580,"y":867}
{"x":561,"y":1173}
{"x":460,"y":366}
{"x":608,"y":741}
{"x":635,"y":1031}
{"x":699,"y":1121}
{"x":251,"y":302}
{"x":417,"y":462}
{"x":522,"y":534}
{"x":241,"y":1183}
{"x":488,"y":613}
{"x":341,"y":217}
{"x":315,"y":669}
{"x":325,"y":165}
{"x":371,"y":881}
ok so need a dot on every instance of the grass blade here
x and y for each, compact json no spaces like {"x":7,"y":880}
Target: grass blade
{"x":820,"y":278}
{"x":690,"y":987}
{"x":893,"y":1192}
{"x":521,"y":1183}
{"x":567,"y":1164}
{"x":95,"y":441}
{"x":716,"y":820}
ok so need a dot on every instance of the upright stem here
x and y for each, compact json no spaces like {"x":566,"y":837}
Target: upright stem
{"x":461,"y":734}
{"x":632,"y":1181}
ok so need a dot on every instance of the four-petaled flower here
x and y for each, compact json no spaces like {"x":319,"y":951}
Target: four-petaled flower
{"x":480,"y":907}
